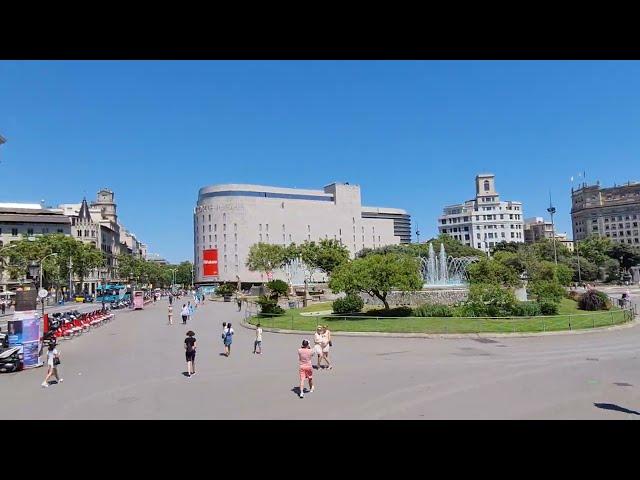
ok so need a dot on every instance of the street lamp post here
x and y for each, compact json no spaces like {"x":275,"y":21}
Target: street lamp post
{"x":552,"y":211}
{"x":173,"y":279}
{"x":41,"y":275}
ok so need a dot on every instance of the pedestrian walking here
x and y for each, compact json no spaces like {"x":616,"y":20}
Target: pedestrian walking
{"x":190,"y":310}
{"x":170,"y":312}
{"x":257,"y":344}
{"x":53,"y":360}
{"x":185,"y":314}
{"x":3,"y":306}
{"x":326,"y":345}
{"x":228,"y":339}
{"x":305,"y":354}
{"x":224,"y":328}
{"x":190,"y":353}
{"x":170,"y":299}
{"x":239,"y":302}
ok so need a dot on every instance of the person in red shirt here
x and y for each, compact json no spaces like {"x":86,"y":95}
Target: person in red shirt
{"x":305,"y":369}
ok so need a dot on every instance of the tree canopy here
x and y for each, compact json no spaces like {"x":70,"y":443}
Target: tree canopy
{"x":377,"y":274}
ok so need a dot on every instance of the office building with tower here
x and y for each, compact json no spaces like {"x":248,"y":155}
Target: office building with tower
{"x":228,"y":219}
{"x":485,"y":220}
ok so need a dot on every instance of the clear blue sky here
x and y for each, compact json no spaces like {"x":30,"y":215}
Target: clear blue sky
{"x":412,"y":134}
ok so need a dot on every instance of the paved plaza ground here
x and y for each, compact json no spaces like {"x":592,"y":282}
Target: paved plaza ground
{"x":132,"y":368}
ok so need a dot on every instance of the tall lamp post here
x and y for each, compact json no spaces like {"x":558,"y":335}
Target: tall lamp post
{"x":552,"y":211}
{"x":173,"y":279}
{"x":42,"y":275}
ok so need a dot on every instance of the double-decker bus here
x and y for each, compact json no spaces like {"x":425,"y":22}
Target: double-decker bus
{"x":111,"y":293}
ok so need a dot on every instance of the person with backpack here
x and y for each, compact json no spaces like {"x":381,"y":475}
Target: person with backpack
{"x":53,"y":360}
{"x":170,"y":310}
{"x":190,"y":353}
{"x":228,"y":339}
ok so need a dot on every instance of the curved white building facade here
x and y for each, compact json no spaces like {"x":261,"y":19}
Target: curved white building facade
{"x":230,"y":218}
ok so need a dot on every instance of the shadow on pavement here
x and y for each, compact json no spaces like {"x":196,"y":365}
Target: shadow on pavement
{"x":617,"y":408}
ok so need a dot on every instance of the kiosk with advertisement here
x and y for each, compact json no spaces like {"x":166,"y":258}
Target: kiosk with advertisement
{"x":25,"y":332}
{"x":137,"y":300}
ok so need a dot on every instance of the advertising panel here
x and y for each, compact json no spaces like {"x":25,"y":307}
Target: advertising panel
{"x":210,"y":262}
{"x":25,"y":331}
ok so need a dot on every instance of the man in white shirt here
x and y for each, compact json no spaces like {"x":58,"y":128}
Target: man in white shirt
{"x":257,"y":344}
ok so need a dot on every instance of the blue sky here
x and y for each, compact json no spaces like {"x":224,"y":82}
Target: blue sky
{"x":413,"y":135}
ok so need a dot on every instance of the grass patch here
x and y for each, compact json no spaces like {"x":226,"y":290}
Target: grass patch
{"x":569,"y":317}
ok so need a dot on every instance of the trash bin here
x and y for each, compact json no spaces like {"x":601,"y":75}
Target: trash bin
{"x":292,"y":304}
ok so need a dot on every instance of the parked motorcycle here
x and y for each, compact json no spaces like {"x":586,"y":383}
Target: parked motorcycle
{"x":11,"y":360}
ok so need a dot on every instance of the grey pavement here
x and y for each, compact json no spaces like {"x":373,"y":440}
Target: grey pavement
{"x":132,"y":368}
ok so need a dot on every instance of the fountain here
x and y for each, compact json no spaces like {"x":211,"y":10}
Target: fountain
{"x":445,"y":281}
{"x":443,"y":271}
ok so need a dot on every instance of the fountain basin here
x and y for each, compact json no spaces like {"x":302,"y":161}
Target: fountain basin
{"x":441,"y":295}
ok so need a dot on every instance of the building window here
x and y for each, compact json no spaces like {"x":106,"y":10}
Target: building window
{"x":209,"y":227}
{"x":215,"y":238}
{"x":14,"y":232}
{"x":284,"y":238}
{"x":60,"y":230}
{"x":260,"y":236}
{"x":209,"y":217}
{"x":209,"y":238}
{"x":235,"y":227}
{"x":79,"y":233}
{"x":30,"y":231}
{"x":224,"y":237}
{"x":224,"y":227}
{"x":235,"y":248}
{"x":260,"y":227}
{"x":215,"y":227}
{"x":267,"y":238}
{"x":308,"y":228}
{"x":267,"y":227}
{"x":224,"y":219}
{"x":289,"y":237}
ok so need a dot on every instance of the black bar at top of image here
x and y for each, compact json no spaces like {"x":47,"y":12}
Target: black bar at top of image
{"x":82,"y":51}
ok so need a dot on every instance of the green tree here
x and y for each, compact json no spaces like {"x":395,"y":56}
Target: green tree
{"x":588,"y":270}
{"x":376,"y":275}
{"x":489,"y":300}
{"x":547,"y":290}
{"x":85,"y":258}
{"x":265,"y":257}
{"x":183,"y":274}
{"x":277,"y":288}
{"x":611,"y":268}
{"x":595,"y":249}
{"x":489,"y":270}
{"x":627,"y":255}
{"x":325,"y":255}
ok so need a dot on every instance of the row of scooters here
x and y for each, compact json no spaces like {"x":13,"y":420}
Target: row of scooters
{"x":119,"y":305}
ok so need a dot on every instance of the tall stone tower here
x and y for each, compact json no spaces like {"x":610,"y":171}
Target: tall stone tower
{"x":105,"y":200}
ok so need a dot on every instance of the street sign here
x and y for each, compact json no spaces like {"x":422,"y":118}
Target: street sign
{"x":42,"y":293}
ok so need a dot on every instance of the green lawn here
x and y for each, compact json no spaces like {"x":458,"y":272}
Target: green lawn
{"x":569,"y":318}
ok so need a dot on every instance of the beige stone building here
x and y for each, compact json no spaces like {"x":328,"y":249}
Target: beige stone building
{"x":612,"y":212}
{"x":485,"y":220}
{"x":231,"y":218}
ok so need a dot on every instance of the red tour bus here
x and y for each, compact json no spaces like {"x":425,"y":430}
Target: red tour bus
{"x":138,"y":300}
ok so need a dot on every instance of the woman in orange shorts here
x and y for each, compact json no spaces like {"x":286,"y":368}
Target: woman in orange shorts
{"x":304,"y":363}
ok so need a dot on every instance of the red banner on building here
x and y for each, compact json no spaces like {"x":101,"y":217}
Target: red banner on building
{"x":210,"y":262}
